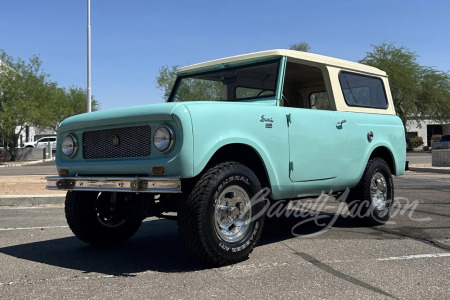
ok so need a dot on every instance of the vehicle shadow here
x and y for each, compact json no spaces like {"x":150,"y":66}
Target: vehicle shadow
{"x":313,"y":225}
{"x":157,"y":246}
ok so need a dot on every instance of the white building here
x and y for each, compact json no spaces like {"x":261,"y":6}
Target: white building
{"x":32,"y":134}
{"x":426,"y":129}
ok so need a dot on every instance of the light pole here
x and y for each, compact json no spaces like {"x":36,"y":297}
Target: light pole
{"x":88,"y":56}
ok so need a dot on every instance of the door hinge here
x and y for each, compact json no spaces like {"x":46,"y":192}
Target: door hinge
{"x":288,"y":118}
{"x":291,"y":166}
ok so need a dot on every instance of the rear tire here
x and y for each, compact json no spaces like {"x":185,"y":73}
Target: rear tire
{"x":371,"y":200}
{"x":102,"y":218}
{"x":218,"y":221}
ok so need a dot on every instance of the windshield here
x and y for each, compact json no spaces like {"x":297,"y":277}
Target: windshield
{"x":229,"y":84}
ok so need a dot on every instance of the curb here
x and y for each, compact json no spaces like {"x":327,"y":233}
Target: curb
{"x":20,"y":164}
{"x":430,"y":170}
{"x":32,"y":200}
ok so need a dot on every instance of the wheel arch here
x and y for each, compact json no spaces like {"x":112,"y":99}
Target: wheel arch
{"x":243,"y":154}
{"x":385,"y":154}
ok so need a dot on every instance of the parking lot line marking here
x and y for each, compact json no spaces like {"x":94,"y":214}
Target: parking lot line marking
{"x":406,"y":257}
{"x":32,"y":228}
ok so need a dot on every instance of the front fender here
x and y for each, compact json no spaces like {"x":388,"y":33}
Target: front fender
{"x":229,"y":123}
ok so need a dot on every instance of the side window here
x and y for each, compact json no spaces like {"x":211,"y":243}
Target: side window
{"x":319,"y":100}
{"x":361,"y":90}
{"x":43,"y":140}
{"x":304,"y":87}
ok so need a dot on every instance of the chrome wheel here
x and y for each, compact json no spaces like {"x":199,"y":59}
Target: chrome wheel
{"x":378,"y":193}
{"x":232,"y":214}
{"x":371,"y":200}
{"x":217,"y":220}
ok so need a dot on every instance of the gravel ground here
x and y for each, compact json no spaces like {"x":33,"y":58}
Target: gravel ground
{"x":24,"y":185}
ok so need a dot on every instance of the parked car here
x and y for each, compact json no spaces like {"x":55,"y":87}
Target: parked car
{"x":42,"y":142}
{"x":444,"y":138}
{"x":234,"y":134}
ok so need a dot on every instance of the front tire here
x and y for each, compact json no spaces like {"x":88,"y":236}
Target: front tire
{"x":371,"y":200}
{"x":219,"y":222}
{"x":102,"y":218}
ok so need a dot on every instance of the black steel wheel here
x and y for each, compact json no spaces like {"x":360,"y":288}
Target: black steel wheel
{"x":102,"y":218}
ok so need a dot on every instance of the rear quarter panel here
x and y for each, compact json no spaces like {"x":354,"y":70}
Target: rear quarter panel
{"x":388,"y":132}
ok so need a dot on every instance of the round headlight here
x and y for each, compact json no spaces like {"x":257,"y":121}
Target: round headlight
{"x":69,"y":145}
{"x":163,"y":138}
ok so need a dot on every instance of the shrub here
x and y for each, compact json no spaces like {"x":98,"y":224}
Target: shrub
{"x":416,"y":141}
{"x":435,"y":137}
{"x":408,"y":144}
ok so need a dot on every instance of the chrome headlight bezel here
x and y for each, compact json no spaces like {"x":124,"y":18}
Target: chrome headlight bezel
{"x":69,"y":145}
{"x":163,"y":138}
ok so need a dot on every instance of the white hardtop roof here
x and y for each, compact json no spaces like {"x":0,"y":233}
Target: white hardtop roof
{"x":290,"y":54}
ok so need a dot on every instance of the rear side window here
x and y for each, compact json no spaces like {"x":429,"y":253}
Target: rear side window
{"x":364,"y":91}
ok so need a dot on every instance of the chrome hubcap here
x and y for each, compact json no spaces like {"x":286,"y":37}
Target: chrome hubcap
{"x":378,"y":193}
{"x":232,"y":214}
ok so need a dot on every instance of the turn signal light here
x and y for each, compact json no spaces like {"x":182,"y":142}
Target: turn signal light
{"x":158,"y":170}
{"x":63,"y":172}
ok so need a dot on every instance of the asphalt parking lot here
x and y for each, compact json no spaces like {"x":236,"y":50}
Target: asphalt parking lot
{"x":407,"y":259}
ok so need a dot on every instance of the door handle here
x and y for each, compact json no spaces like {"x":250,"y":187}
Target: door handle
{"x":341,"y":122}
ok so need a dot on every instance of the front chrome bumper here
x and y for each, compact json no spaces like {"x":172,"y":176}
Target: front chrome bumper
{"x":115,"y":184}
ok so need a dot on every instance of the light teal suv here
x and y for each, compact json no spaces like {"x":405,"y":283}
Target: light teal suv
{"x":235,"y":135}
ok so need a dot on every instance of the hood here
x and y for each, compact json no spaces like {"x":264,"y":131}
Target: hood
{"x":134,"y":113}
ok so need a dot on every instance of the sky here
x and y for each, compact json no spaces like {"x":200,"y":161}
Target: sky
{"x":133,"y":39}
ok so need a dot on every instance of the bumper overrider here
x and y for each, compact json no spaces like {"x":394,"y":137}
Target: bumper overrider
{"x":115,"y":184}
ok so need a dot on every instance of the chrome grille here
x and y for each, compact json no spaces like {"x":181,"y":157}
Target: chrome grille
{"x":118,"y":142}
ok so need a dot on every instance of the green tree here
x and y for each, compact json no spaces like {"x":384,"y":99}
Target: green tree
{"x":166,"y":79}
{"x":62,"y":103}
{"x":192,"y":89}
{"x":302,"y":46}
{"x":29,"y":98}
{"x":434,"y":94}
{"x":22,"y":84}
{"x":417,"y":91}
